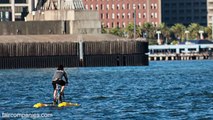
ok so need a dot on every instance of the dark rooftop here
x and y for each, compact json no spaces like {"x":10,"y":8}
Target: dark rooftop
{"x":197,"y":42}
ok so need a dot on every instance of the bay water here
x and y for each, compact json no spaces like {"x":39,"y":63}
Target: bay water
{"x":170,"y":90}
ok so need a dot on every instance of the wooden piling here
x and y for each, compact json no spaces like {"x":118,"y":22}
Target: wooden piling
{"x":41,"y":53}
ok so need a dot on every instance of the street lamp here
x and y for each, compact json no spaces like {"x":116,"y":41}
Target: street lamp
{"x":134,"y":7}
{"x":42,"y":14}
{"x":187,"y":34}
{"x":33,"y":13}
{"x":201,"y":34}
{"x":158,"y":32}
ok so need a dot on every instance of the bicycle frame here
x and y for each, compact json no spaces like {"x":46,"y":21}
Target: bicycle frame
{"x":58,"y":90}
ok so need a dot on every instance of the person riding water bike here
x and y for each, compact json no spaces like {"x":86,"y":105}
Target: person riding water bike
{"x":58,"y":79}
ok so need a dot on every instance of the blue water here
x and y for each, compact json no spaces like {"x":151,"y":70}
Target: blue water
{"x":162,"y":90}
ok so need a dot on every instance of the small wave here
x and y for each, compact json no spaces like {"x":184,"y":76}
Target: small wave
{"x":99,"y":98}
{"x":208,"y":94}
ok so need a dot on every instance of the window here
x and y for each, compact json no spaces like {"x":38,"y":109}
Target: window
{"x":102,"y":25}
{"x":123,"y":6}
{"x":112,"y":25}
{"x":107,"y":16}
{"x":19,"y":9}
{"x":118,"y":24}
{"x":113,"y":6}
{"x":107,"y":6}
{"x":102,"y":7}
{"x":118,"y":7}
{"x":113,"y":15}
{"x":152,"y":6}
{"x":156,"y":15}
{"x":5,"y":8}
{"x":144,"y":15}
{"x":118,"y":16}
{"x":5,"y":1}
{"x":128,"y":6}
{"x":129,"y":15}
{"x":152,"y":15}
{"x":20,"y":1}
{"x":123,"y":25}
{"x":144,"y":6}
{"x":107,"y":25}
{"x":102,"y":15}
{"x":139,"y":6}
{"x":134,"y":6}
{"x":86,"y":6}
{"x":139,"y":15}
{"x":156,"y":6}
{"x":91,"y":7}
{"x":96,"y":7}
{"x":123,"y":15}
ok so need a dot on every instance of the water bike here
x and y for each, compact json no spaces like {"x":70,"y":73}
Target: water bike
{"x":59,"y":101}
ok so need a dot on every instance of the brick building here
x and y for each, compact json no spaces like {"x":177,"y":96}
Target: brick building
{"x":119,"y":13}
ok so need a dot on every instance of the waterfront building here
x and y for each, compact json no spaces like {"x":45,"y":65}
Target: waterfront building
{"x":185,"y":11}
{"x":55,"y":17}
{"x":16,"y":10}
{"x":210,"y":12}
{"x":119,"y":13}
{"x":192,"y":49}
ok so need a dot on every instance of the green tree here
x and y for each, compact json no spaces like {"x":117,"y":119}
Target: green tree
{"x":149,"y":29}
{"x":103,"y":30}
{"x":194,"y":30}
{"x":130,"y":30}
{"x":165,"y":31}
{"x":179,"y":31}
{"x":117,"y":31}
{"x":208,"y":31}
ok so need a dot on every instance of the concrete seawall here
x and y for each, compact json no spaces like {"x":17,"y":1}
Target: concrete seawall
{"x":70,"y":50}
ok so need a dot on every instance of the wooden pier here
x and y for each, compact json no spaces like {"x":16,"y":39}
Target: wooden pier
{"x":191,"y":56}
{"x":71,"y":51}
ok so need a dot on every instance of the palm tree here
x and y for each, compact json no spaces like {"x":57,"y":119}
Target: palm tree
{"x":117,"y":31}
{"x":130,"y":30}
{"x":194,"y":30}
{"x":179,"y":31}
{"x":208,"y":31}
{"x":165,"y":31}
{"x":149,"y":29}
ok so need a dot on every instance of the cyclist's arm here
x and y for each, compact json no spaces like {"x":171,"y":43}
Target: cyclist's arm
{"x":65,"y":76}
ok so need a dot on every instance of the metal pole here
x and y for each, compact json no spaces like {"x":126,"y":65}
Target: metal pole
{"x":212,"y":27}
{"x":134,"y":22}
{"x":13,"y":9}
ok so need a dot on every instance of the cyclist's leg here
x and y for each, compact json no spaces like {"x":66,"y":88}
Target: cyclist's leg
{"x":54,"y":91}
{"x":62,"y":83}
{"x":62,"y":89}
